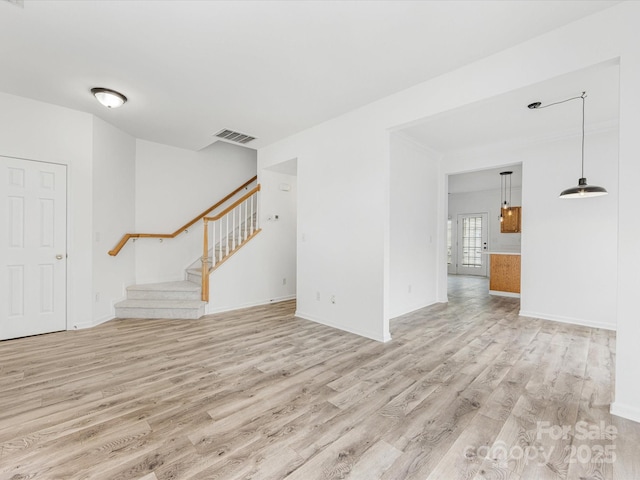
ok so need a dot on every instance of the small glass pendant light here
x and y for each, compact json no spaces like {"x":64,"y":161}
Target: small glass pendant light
{"x":505,"y":206}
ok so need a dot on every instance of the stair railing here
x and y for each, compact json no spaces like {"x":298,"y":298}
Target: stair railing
{"x":127,"y":236}
{"x":230,"y":230}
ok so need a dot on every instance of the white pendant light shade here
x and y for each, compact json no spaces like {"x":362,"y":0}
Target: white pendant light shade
{"x":109,"y":98}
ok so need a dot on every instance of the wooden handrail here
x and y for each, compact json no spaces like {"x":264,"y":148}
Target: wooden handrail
{"x":127,"y":236}
{"x":233,"y":205}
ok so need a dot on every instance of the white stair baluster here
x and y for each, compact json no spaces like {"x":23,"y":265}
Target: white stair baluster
{"x":240,"y":225}
{"x":212,"y":226}
{"x":219,"y":244}
{"x":251,"y":217}
{"x":255,"y":222}
{"x":226,"y":237}
{"x":233,"y":229}
{"x":244,"y":222}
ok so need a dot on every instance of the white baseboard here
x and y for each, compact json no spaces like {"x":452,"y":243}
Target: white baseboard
{"x":625,"y":411}
{"x":229,"y":308}
{"x":104,"y":319}
{"x":80,"y":326}
{"x":500,"y":293}
{"x":570,"y":320}
{"x":94,"y":323}
{"x":97,"y":321}
{"x":363,"y":333}
{"x":412,"y":308}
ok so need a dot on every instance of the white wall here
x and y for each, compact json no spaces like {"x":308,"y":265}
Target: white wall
{"x":344,"y":186}
{"x":173,"y":186}
{"x":413,"y":231}
{"x":113,"y":213}
{"x":627,"y":396}
{"x":342,"y":220}
{"x":570,"y":260}
{"x":264,"y":270}
{"x":38,"y":131}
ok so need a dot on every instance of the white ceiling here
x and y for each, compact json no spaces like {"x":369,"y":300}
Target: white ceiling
{"x":506,"y":118}
{"x":265,"y":68}
{"x":488,"y":179}
{"x":505,"y":121}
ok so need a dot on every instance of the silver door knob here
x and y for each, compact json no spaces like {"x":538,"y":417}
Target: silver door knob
{"x":59,"y":257}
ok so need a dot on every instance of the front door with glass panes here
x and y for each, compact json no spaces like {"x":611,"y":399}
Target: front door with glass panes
{"x":471,"y":243}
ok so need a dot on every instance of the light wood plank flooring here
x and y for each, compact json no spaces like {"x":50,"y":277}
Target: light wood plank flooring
{"x":467,"y":390}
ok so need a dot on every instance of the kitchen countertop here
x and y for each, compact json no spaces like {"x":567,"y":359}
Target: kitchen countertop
{"x":501,"y":253}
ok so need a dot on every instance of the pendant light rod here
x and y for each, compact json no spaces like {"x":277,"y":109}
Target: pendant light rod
{"x":583,"y":189}
{"x":584,"y":94}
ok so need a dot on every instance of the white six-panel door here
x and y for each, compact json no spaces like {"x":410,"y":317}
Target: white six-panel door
{"x":32,"y":247}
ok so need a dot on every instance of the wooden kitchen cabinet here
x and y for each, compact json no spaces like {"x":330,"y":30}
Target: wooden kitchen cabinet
{"x":512,"y":223}
{"x":504,"y":274}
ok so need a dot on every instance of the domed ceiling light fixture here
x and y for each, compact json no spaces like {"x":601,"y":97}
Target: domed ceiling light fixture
{"x":582,"y":190}
{"x":109,"y":98}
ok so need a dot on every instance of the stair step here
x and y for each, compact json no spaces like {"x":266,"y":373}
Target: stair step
{"x":194,"y":275}
{"x":183,"y":290}
{"x":143,"y":308}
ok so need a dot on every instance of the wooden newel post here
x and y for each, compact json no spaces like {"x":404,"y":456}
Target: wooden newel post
{"x":205,"y":262}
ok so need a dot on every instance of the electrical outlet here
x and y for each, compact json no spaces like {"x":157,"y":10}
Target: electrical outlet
{"x":284,"y":281}
{"x":97,"y":297}
{"x":333,"y":299}
{"x":409,"y":288}
{"x":318,"y":296}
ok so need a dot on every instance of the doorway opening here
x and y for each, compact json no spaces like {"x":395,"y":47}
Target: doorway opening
{"x":473,"y":227}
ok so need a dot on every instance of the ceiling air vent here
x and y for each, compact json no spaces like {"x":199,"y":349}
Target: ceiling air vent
{"x":236,"y":137}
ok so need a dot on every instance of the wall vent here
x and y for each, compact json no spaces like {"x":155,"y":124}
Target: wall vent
{"x":236,"y":137}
